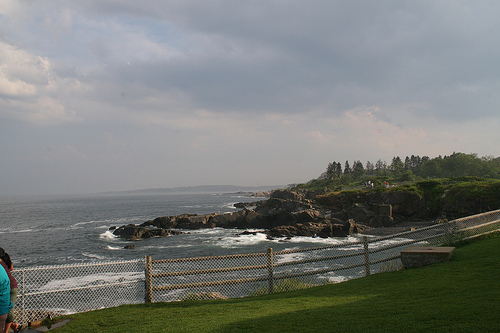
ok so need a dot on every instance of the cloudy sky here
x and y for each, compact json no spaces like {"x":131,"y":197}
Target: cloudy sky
{"x":110,"y":95}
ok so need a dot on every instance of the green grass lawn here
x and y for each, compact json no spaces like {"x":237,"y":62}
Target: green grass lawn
{"x":462,"y":295}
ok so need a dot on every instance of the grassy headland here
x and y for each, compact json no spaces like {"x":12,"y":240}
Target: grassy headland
{"x":442,"y":197}
{"x":462,"y":295}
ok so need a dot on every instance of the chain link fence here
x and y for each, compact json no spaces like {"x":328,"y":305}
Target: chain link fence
{"x":49,"y":291}
{"x":56,"y":290}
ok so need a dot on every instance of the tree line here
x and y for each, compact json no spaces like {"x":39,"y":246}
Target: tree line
{"x":413,"y":168}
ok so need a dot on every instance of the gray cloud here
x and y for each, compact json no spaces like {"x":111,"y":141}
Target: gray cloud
{"x":274,"y":84}
{"x":301,"y":55}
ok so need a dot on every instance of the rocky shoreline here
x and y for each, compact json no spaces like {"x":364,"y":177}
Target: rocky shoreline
{"x":287,"y":213}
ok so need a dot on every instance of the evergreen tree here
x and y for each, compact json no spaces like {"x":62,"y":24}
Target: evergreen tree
{"x":370,"y":168}
{"x":334,"y":170}
{"x":397,"y":165}
{"x":330,"y":170}
{"x":415,"y":162}
{"x":408,"y":164}
{"x":347,"y":168}
{"x":380,"y":167}
{"x":416,"y":167}
{"x":357,"y":169}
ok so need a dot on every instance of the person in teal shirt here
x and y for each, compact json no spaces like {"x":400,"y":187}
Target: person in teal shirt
{"x":5,"y":302}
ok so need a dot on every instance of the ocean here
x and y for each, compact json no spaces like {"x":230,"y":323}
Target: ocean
{"x":53,"y":230}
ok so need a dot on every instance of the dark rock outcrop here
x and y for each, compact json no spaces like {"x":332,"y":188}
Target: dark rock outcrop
{"x":133,"y":232}
{"x":316,"y":229}
{"x":287,"y":195}
{"x":364,"y":207}
{"x":290,"y":213}
{"x":261,"y":194}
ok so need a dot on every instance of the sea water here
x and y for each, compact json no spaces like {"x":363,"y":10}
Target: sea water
{"x":75,"y":229}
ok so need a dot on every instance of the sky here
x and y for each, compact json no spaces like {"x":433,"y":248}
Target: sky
{"x":108,"y":95}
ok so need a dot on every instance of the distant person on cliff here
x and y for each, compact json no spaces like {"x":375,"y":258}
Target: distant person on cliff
{"x":5,"y":302}
{"x":6,"y":263}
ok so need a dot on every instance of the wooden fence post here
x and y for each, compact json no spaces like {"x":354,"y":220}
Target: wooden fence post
{"x":148,"y":268}
{"x":367,"y":256}
{"x":270,"y":271}
{"x":448,"y":233}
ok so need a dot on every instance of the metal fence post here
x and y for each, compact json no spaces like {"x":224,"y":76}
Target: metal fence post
{"x":367,"y":256}
{"x":148,"y":268}
{"x":270,"y":271}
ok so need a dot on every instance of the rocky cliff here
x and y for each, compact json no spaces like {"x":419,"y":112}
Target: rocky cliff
{"x":291,"y":213}
{"x":284,"y":214}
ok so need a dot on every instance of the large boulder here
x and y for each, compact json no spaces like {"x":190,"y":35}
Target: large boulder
{"x":244,"y":218}
{"x":286,"y":195}
{"x":276,"y":205}
{"x":308,"y":215}
{"x":133,"y":232}
{"x":164,"y":222}
{"x":360,"y":212}
{"x":300,"y":229}
{"x":189,"y":221}
{"x":184,"y":221}
{"x":316,"y":229}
